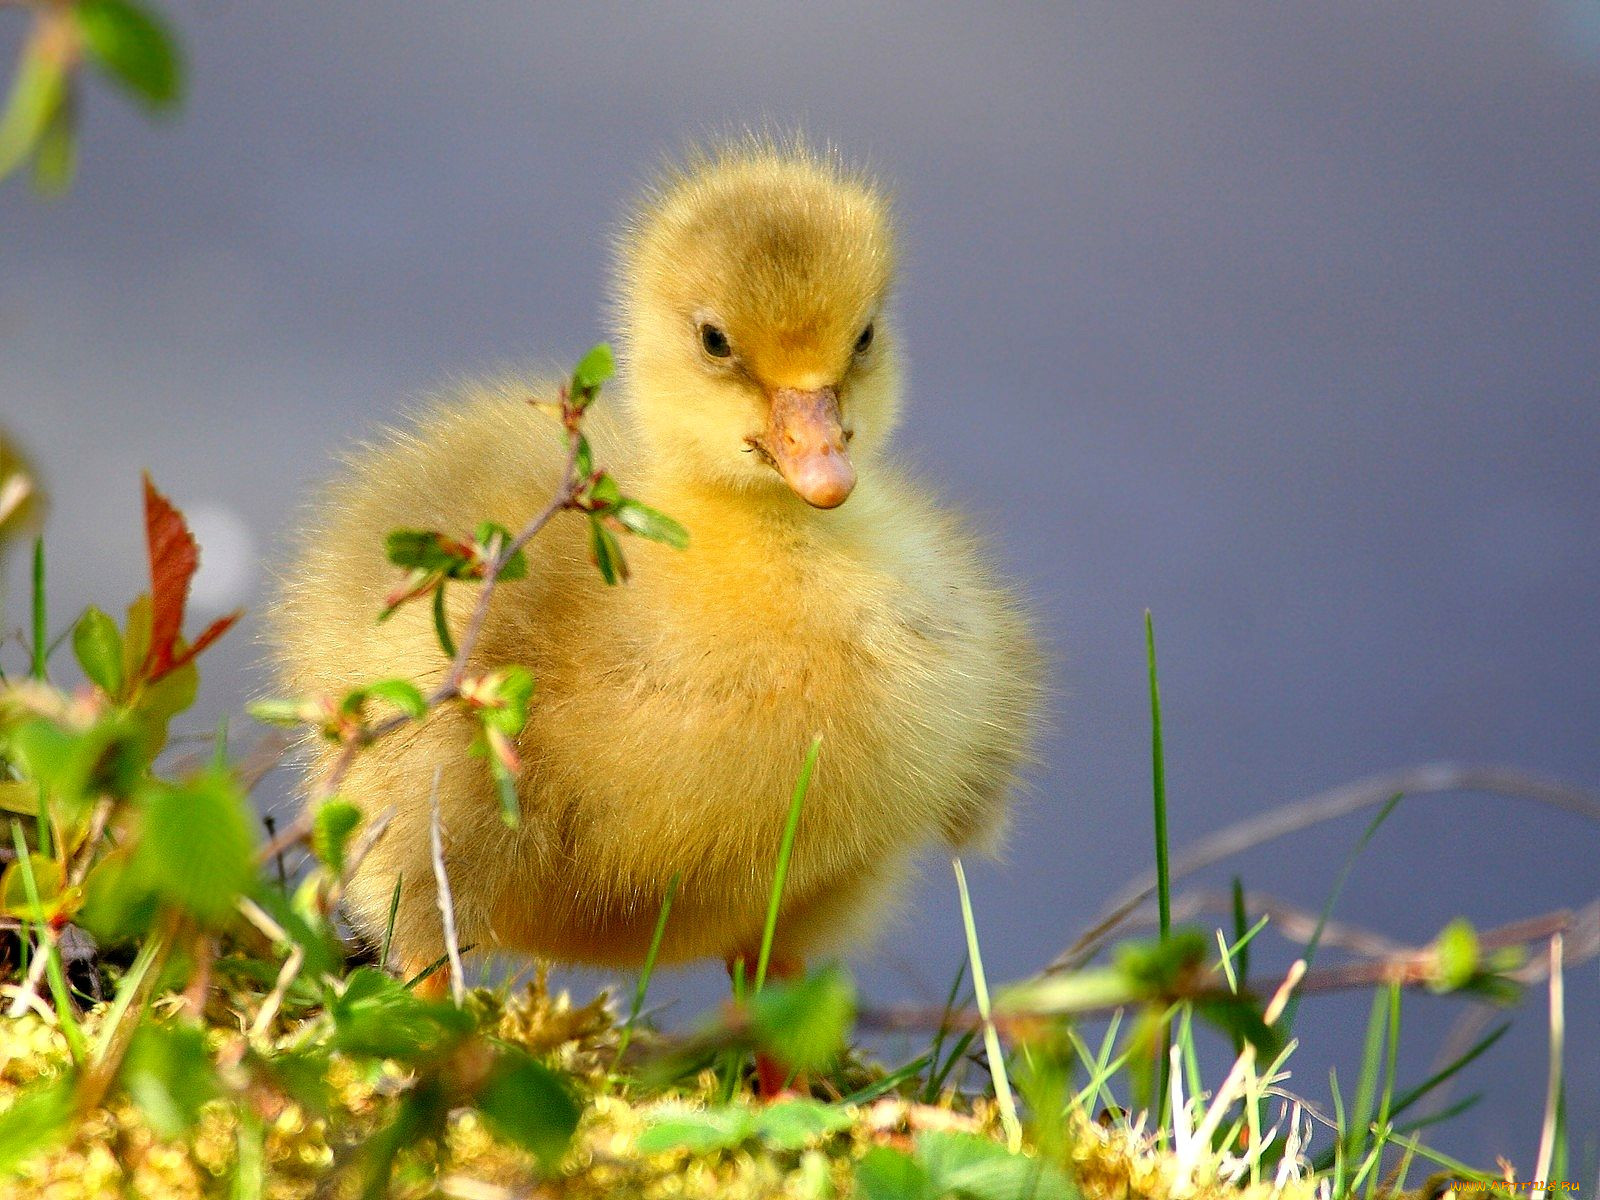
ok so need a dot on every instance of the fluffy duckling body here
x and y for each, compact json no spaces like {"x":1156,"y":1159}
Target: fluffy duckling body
{"x":760,"y":381}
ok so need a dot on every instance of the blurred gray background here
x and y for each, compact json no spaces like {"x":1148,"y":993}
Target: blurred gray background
{"x":1278,"y":319}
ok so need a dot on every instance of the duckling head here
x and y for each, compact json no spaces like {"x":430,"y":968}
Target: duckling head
{"x":751,"y":293}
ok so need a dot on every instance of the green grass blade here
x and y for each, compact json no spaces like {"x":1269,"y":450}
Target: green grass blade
{"x":888,"y":1083}
{"x":154,"y":948}
{"x":41,"y":638}
{"x":930,"y":1093}
{"x":937,"y":1081}
{"x":1412,"y":1095}
{"x":1241,"y":941}
{"x":646,"y":971}
{"x":1367,"y":1083}
{"x":1439,"y":1118}
{"x":1158,"y":779}
{"x":1341,"y":1131}
{"x":1293,"y":1007}
{"x":1158,"y":775}
{"x":1391,"y":1054}
{"x":388,"y":928}
{"x":802,"y":785}
{"x":991,"y":1036}
{"x":76,"y":1044}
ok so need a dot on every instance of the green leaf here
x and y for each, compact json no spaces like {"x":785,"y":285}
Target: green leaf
{"x":117,"y":903}
{"x":169,"y":1075}
{"x":377,"y":1016}
{"x":79,"y":765}
{"x":36,"y":94}
{"x":277,"y":712}
{"x":804,"y":1023}
{"x":135,"y":47}
{"x":20,"y":796}
{"x":593,"y":369}
{"x":136,"y":638}
{"x":428,"y":550}
{"x":527,"y":1103}
{"x":795,"y":1124}
{"x":331,"y":828}
{"x":492,"y":540}
{"x":887,"y":1174}
{"x":49,"y":881}
{"x":55,"y":153}
{"x":607,"y":552}
{"x":1239,"y":1018}
{"x":164,"y":699}
{"x":405,"y":696}
{"x":648,"y":523}
{"x":1160,"y":967}
{"x":98,"y":647}
{"x":976,"y":1168}
{"x":699,"y":1132}
{"x":1068,"y":992}
{"x":36,"y":1119}
{"x":605,"y":491}
{"x":1457,"y":955}
{"x":197,"y":848}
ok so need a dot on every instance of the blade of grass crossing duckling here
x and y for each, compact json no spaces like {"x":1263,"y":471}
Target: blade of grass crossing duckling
{"x":388,"y":928}
{"x":646,"y":970}
{"x":797,"y":800}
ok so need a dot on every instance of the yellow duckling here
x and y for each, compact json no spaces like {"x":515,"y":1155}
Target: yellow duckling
{"x":761,"y":379}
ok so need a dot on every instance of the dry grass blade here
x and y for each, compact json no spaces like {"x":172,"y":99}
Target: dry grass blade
{"x":1552,"y":1099}
{"x":447,"y":908}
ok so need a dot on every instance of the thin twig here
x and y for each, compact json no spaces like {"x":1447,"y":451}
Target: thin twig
{"x":259,"y":917}
{"x":1290,"y":921}
{"x":447,"y":908}
{"x":1427,"y":779}
{"x":1412,"y":968}
{"x":450,"y":687}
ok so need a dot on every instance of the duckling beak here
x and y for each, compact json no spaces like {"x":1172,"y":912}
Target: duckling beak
{"x":806,"y":441}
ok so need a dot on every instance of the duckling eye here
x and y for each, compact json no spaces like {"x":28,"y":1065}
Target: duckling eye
{"x":715,"y":341}
{"x":864,"y":341}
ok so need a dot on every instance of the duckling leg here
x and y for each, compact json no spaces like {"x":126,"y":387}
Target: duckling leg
{"x":772,"y":1074}
{"x":433,"y":987}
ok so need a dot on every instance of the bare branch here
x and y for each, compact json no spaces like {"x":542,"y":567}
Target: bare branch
{"x":1427,"y":779}
{"x":1410,"y":968}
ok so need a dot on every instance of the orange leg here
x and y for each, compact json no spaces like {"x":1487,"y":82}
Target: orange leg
{"x":435,"y":986}
{"x":771,"y":1074}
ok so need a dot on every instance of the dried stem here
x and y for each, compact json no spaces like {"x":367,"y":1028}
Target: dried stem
{"x":447,"y":908}
{"x":1427,"y":779}
{"x":1410,"y":968}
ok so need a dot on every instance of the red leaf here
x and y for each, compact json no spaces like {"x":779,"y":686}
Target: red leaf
{"x":213,"y":631}
{"x":174,"y":557}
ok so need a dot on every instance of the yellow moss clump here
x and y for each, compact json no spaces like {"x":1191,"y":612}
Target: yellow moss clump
{"x":113,"y":1151}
